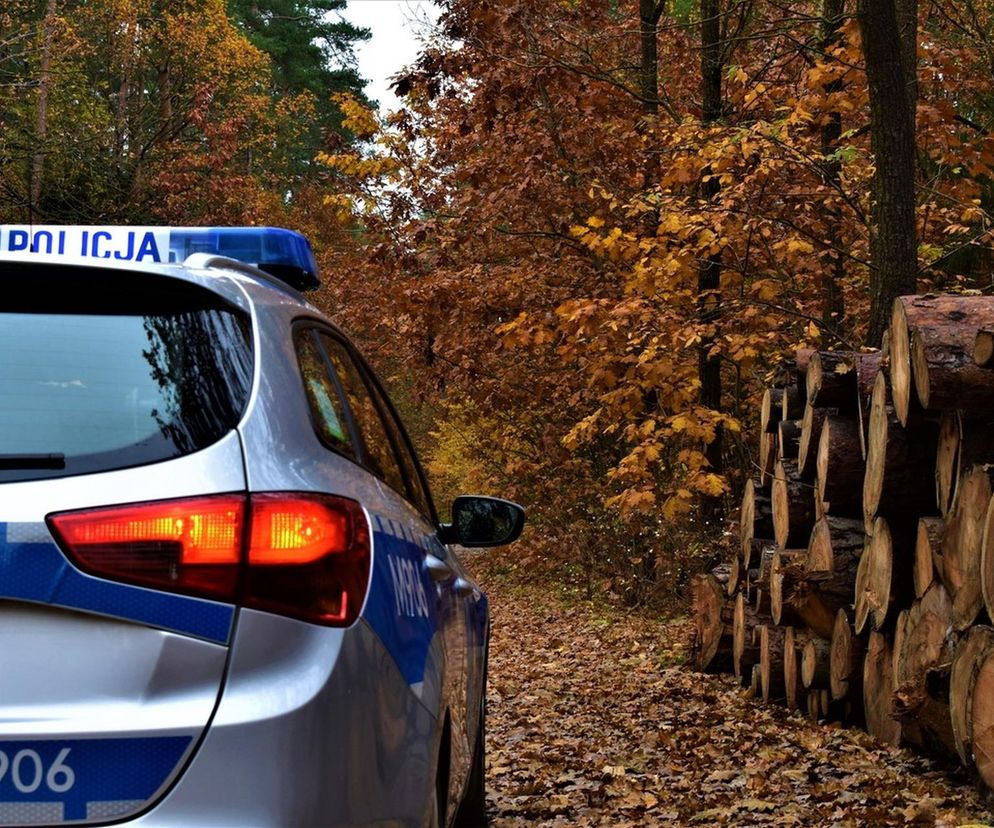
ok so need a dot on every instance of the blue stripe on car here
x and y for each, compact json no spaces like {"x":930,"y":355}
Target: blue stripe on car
{"x":118,"y":775}
{"x":403,"y":604}
{"x":37,"y":571}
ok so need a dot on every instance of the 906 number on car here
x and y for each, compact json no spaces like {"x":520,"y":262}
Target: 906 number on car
{"x":26,"y":771}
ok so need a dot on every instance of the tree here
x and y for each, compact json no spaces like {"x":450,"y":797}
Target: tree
{"x":893,"y":249}
{"x":311,"y":49}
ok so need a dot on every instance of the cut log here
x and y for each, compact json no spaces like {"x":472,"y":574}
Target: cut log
{"x":878,"y":690}
{"x":983,"y":348}
{"x":791,"y":668}
{"x":712,"y":625}
{"x":944,"y":330}
{"x":833,"y":559}
{"x":927,"y":642}
{"x":885,"y":578}
{"x":771,"y":410}
{"x":846,"y":679}
{"x":793,"y":506}
{"x":840,"y":467}
{"x":792,"y":403}
{"x":786,"y":570}
{"x":987,"y":560}
{"x":736,"y":576}
{"x":982,"y":721}
{"x":963,"y":442}
{"x":897,"y":462}
{"x":767,"y":459}
{"x":788,"y":439}
{"x":802,"y":359}
{"x":971,"y":652}
{"x":962,"y":545}
{"x":923,"y":710}
{"x":808,"y":606}
{"x":745,"y":651}
{"x":867,"y":368}
{"x":755,"y":685}
{"x":807,"y":448}
{"x":771,"y":662}
{"x":816,"y":664}
{"x":928,"y":552}
{"x":755,"y":518}
{"x":831,"y":381}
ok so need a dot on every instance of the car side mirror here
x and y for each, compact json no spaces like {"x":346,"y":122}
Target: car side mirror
{"x":483,"y":521}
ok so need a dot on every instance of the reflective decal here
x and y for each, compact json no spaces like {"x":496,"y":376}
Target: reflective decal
{"x":77,"y":779}
{"x":403,"y":606}
{"x":33,"y":568}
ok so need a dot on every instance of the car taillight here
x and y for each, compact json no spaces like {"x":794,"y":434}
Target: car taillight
{"x":302,"y":555}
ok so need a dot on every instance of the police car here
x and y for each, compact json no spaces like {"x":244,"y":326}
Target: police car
{"x":226,"y":598}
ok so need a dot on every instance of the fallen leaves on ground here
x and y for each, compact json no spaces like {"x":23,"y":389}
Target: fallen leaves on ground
{"x":594,"y":720}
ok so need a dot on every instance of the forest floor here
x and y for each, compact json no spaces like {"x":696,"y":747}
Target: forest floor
{"x":594,"y":719}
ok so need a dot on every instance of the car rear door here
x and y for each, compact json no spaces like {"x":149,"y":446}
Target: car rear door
{"x":115,"y":388}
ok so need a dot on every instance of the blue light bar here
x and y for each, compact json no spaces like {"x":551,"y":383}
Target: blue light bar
{"x":284,"y":254}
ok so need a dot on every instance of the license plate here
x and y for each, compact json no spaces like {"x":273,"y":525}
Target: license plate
{"x":67,"y":780}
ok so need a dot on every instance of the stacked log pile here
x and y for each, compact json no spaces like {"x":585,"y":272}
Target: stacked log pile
{"x":863,"y":587}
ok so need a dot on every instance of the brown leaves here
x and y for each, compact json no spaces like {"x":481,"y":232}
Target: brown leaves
{"x":587,"y":727}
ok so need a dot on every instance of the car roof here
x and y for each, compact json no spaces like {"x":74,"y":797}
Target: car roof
{"x":218,"y":274}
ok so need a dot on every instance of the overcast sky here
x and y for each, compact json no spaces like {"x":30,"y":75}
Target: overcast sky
{"x":394,"y":44}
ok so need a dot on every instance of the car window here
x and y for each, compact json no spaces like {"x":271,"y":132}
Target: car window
{"x":379,"y":453}
{"x":417,"y":492}
{"x":98,"y":374}
{"x":327,"y":411}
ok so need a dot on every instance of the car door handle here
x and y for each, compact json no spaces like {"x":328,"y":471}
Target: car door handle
{"x":437,"y":568}
{"x":464,"y":588}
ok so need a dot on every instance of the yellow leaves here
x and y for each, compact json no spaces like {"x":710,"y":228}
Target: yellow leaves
{"x":358,"y":118}
{"x":595,"y":222}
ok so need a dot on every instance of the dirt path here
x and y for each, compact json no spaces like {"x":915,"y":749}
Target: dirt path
{"x":593,"y":720}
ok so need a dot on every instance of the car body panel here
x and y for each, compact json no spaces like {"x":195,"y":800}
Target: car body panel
{"x":273,"y":721}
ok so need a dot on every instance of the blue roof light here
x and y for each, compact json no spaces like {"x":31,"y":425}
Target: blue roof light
{"x":282,"y":253}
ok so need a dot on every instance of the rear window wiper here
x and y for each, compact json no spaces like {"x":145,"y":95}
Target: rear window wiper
{"x":32,"y":461}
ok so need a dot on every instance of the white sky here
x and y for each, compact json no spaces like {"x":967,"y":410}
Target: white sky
{"x":394,"y":44}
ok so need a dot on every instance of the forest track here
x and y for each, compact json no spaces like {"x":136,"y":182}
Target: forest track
{"x":594,"y":719}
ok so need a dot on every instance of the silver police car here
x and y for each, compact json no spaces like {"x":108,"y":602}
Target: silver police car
{"x":225,"y":595}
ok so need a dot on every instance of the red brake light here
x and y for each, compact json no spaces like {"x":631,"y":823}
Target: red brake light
{"x":308,"y":555}
{"x":295,"y":530}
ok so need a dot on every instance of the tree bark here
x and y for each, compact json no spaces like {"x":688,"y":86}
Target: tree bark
{"x":893,"y":245}
{"x":709,"y":272}
{"x":833,"y":304}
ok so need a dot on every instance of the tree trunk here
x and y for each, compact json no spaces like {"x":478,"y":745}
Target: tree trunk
{"x":709,"y":273}
{"x":893,"y":245}
{"x":41,"y":113}
{"x":833,"y":307}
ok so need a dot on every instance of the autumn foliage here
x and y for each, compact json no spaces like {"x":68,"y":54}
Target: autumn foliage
{"x":521,"y":248}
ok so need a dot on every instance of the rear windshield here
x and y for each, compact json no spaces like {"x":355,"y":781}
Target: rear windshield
{"x":104,"y":371}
